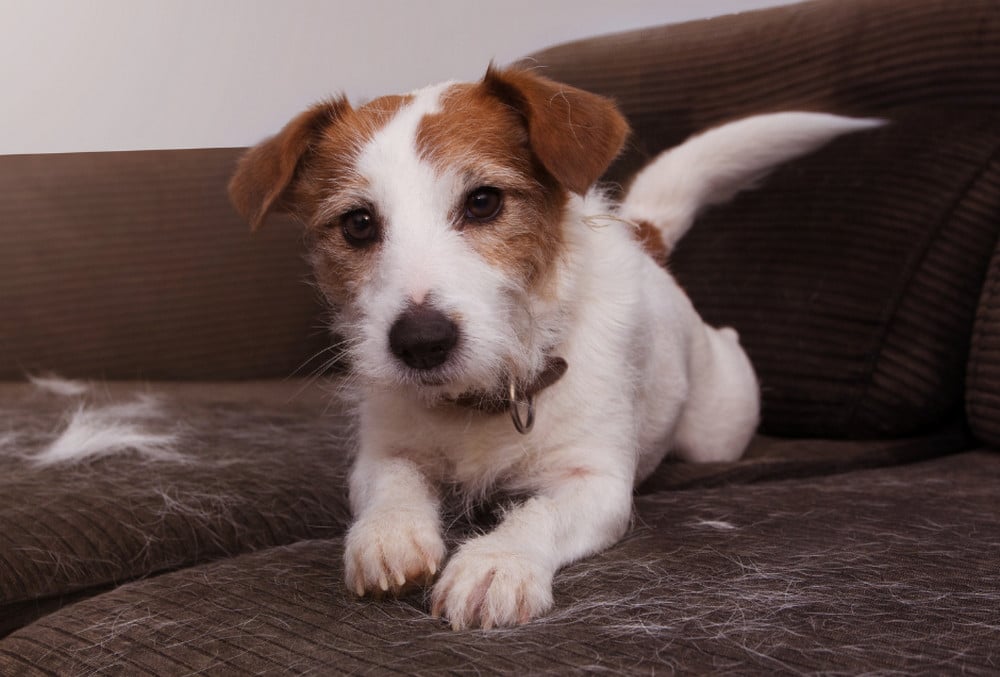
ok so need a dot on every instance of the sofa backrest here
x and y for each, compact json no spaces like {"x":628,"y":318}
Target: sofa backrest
{"x":852,"y":275}
{"x":134,"y":265}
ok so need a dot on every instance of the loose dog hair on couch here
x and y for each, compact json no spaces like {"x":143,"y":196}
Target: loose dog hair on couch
{"x":95,"y":427}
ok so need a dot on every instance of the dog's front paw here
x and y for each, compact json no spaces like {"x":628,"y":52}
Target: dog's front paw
{"x":392,"y":551}
{"x":488,"y":586}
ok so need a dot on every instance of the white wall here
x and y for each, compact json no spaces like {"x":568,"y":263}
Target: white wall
{"x":79,"y":75}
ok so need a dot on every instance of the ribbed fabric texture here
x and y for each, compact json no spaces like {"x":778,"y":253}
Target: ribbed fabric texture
{"x":984,"y":363}
{"x":852,"y":276}
{"x":854,"y":57}
{"x":133,"y":265}
{"x":265,"y":464}
{"x":871,"y":572}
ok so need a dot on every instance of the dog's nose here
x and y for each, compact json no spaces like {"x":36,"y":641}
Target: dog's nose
{"x":422,"y":337}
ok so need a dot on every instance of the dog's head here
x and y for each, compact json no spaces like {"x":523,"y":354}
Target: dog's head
{"x":435,"y":220}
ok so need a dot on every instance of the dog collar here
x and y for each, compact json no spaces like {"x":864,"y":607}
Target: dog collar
{"x":516,"y":397}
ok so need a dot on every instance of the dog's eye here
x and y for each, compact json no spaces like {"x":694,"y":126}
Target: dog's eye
{"x":483,"y":204}
{"x":359,"y":227}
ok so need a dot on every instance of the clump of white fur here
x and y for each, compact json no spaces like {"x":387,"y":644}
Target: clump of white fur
{"x":59,"y":386}
{"x":94,"y":430}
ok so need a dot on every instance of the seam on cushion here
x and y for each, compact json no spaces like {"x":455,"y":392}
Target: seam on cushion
{"x":916,"y":266}
{"x":121,"y":657}
{"x":18,"y":574}
{"x":978,"y":330}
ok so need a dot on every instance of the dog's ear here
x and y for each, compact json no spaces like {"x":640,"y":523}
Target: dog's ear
{"x":266,"y":174}
{"x":575,"y":134}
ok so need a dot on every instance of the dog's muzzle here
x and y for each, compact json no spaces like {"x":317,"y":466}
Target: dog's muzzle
{"x":422,"y":337}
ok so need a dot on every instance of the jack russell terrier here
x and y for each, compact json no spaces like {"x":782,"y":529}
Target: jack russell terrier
{"x":509,"y":328}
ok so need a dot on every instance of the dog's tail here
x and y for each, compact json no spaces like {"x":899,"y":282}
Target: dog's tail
{"x":715,"y":165}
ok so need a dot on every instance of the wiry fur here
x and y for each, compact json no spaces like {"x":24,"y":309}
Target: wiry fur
{"x":98,"y":429}
{"x":102,"y":431}
{"x":646,"y":376}
{"x":817,"y":577}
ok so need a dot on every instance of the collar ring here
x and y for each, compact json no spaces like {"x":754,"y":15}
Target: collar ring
{"x":514,"y":404}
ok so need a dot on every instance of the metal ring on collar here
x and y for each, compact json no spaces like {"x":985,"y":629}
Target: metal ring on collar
{"x":524,"y":425}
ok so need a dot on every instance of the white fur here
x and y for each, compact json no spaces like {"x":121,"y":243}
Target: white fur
{"x":59,"y":386}
{"x":646,"y":376}
{"x":715,"y":165}
{"x":8,"y":440}
{"x":97,"y":431}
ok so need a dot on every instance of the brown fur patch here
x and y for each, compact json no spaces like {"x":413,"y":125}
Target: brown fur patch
{"x":326,"y":190}
{"x":531,"y":138}
{"x":575,"y":134}
{"x":296,"y":171}
{"x":266,"y":171}
{"x":651,"y":239}
{"x":479,"y":138}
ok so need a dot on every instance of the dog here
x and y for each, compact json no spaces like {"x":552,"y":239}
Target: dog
{"x":508,"y":327}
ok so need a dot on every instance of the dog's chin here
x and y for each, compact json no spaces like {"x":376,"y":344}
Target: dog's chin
{"x":434,"y":386}
{"x":430,"y":380}
{"x":459,"y":377}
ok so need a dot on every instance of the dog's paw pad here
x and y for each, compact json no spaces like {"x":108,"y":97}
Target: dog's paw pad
{"x":490,"y":587}
{"x":389,"y":554}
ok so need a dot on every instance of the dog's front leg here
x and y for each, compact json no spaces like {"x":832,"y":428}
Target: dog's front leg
{"x":395,"y":541}
{"x":505,"y":577}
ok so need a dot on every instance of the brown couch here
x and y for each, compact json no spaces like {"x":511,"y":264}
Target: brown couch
{"x":860,"y":534}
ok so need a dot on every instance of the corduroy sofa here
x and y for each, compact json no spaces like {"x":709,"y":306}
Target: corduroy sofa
{"x":861,"y":534}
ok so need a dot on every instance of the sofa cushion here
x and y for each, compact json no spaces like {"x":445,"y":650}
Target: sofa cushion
{"x":770,"y":459}
{"x":983,"y":396}
{"x":871,"y":571}
{"x":263,"y":464}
